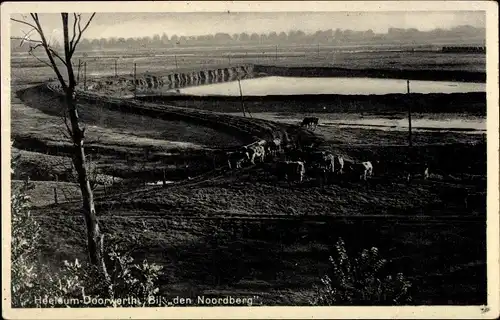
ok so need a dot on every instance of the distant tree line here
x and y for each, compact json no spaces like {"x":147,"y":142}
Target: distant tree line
{"x":464,"y":49}
{"x":293,"y":37}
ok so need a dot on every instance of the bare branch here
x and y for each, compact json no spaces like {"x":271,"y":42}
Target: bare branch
{"x":26,"y":23}
{"x":34,"y":56}
{"x":71,"y":43}
{"x":46,"y":46}
{"x":80,"y":32}
{"x":26,"y":40}
{"x":57,"y":56}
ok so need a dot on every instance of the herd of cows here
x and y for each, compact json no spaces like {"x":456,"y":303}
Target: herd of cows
{"x":291,"y":162}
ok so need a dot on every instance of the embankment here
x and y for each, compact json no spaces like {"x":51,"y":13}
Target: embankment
{"x":150,"y":83}
{"x":249,"y":129}
{"x":436,"y":75}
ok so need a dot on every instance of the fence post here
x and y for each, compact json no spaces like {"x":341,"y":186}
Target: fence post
{"x":55,"y":196}
{"x":135,"y":79}
{"x":164,"y":179}
{"x":85,"y":76}
{"x":409,"y":113}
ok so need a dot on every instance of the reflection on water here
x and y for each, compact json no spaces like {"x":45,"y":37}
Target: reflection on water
{"x":348,"y":86}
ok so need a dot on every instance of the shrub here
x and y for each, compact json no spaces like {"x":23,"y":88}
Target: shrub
{"x":360,"y":281}
{"x":74,"y":282}
{"x":24,"y":240}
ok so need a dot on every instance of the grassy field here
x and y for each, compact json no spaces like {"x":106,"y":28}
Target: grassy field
{"x":243,"y":232}
{"x":222,"y":235}
{"x":25,"y":68}
{"x":121,"y":144}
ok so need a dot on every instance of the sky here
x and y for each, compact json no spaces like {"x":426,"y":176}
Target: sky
{"x":122,"y":24}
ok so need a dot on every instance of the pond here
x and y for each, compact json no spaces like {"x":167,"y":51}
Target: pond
{"x":346,"y":86}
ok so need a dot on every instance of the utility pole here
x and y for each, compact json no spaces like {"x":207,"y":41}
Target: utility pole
{"x":79,"y":68}
{"x":409,"y":113}
{"x":241,"y":96}
{"x":229,"y":58}
{"x":135,"y":80}
{"x":116,"y":72}
{"x":85,"y":76}
{"x":276,"y":55}
{"x":318,"y":49}
{"x":176,"y":66}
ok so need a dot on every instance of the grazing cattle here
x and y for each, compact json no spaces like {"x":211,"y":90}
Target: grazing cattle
{"x":328,"y":165}
{"x":426,"y":173}
{"x":310,"y":121}
{"x":414,"y":170}
{"x":362,"y":170}
{"x":290,"y":170}
{"x":329,"y":162}
{"x":261,"y":143}
{"x":314,"y":158}
{"x":292,"y":154}
{"x":339,"y":165}
{"x":236,"y":159}
{"x":274,"y":146}
{"x":256,"y":152}
{"x":320,"y":164}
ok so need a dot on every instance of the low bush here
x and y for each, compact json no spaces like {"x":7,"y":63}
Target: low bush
{"x":362,"y":280}
{"x":35,"y":284}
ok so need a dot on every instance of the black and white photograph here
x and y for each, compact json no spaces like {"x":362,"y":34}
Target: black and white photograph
{"x":245,"y":155}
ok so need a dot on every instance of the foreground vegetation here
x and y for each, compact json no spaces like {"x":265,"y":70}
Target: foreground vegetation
{"x":38,"y":283}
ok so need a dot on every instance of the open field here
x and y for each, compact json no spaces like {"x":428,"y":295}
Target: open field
{"x":242,"y":232}
{"x":122,"y":144}
{"x":99,"y":63}
{"x":220,"y":236}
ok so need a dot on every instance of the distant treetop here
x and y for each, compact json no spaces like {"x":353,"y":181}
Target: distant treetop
{"x":461,"y":35}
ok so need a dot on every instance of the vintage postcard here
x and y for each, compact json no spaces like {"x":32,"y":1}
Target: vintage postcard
{"x":250,"y":159}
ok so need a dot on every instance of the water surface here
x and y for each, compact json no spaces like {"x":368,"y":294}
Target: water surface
{"x":339,"y":85}
{"x":420,"y":122}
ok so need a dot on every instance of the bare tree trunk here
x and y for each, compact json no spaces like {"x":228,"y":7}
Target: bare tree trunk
{"x":95,"y":239}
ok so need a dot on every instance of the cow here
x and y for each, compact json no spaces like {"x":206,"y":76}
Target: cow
{"x":236,"y":159}
{"x":261,"y":143}
{"x":322,"y":164}
{"x":274,"y":146}
{"x":310,"y":121}
{"x":292,"y":154}
{"x":328,"y":165}
{"x":339,"y":165}
{"x":256,"y":152}
{"x":314,"y":158}
{"x":362,"y":169}
{"x":290,"y":170}
{"x":413,"y":170}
